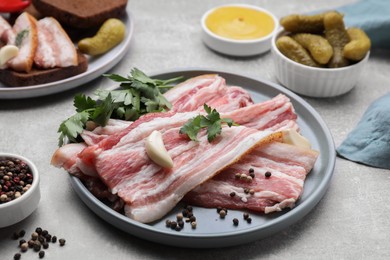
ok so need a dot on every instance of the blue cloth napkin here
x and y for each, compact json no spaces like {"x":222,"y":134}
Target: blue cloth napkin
{"x":373,"y":16}
{"x":369,"y":142}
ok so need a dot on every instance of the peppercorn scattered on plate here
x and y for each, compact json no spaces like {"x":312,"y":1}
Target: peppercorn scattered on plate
{"x":233,"y":228}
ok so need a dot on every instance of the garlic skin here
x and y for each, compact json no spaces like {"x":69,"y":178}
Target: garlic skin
{"x":156,"y":151}
{"x":291,"y":136}
{"x":8,"y":52}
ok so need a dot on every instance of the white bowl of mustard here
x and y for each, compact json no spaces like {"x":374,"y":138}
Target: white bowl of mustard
{"x":239,"y":29}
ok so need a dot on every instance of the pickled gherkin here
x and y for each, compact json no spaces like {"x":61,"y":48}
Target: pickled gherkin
{"x":319,"y":48}
{"x":303,"y":23}
{"x":337,"y":36}
{"x":359,"y":45}
{"x":110,"y":34}
{"x":294,"y":51}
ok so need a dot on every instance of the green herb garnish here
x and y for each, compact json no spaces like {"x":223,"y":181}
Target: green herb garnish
{"x":213,"y":122}
{"x":20,"y":36}
{"x":138,"y":94}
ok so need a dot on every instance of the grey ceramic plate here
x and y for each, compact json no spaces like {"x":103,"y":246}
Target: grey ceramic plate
{"x":96,"y":67}
{"x":212,"y":231}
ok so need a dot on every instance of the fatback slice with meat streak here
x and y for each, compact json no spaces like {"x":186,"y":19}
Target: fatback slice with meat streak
{"x":24,"y":35}
{"x":151,"y":191}
{"x":287,"y":166}
{"x":55,"y":49}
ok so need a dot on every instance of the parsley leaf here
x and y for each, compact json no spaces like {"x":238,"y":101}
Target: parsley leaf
{"x":72,"y":127}
{"x":138,"y":94}
{"x":212,"y":122}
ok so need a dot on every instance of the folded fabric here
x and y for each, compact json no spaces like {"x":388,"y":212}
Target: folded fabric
{"x":369,"y":142}
{"x":373,"y":16}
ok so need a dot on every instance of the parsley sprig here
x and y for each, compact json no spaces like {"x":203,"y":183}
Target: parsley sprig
{"x":138,"y":94}
{"x":212,"y":122}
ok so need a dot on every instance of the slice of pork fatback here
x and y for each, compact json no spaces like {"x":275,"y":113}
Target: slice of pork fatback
{"x":151,"y":191}
{"x":55,"y":49}
{"x":288,"y":165}
{"x":24,"y":36}
{"x":274,"y":114}
{"x":209,"y":89}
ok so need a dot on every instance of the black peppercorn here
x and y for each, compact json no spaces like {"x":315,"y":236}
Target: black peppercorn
{"x":41,"y":239}
{"x":37,"y":246}
{"x":54,"y":239}
{"x":45,"y":245}
{"x":17,"y":256}
{"x":267,"y":174}
{"x":235,"y":222}
{"x":173,"y":225}
{"x":246,"y":216}
{"x":232,"y":194}
{"x":30,"y":243}
{"x":22,"y":233}
{"x":41,"y":254}
{"x":62,"y":241}
{"x":180,"y":223}
{"x":184,"y":212}
{"x":38,"y":230}
{"x":48,"y":237}
{"x":249,"y":220}
{"x":15,"y":235}
{"x":167,"y":224}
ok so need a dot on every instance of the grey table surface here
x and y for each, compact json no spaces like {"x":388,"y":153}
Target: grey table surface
{"x":350,"y":222}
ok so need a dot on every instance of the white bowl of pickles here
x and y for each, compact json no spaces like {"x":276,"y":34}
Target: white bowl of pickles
{"x":316,"y":56}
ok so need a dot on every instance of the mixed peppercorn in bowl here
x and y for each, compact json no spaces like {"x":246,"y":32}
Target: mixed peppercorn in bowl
{"x":19,"y":188}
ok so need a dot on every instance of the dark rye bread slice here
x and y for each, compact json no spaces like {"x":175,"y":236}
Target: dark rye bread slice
{"x":81,"y":13}
{"x":41,"y":76}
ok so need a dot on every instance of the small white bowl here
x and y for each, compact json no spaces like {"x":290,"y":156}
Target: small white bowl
{"x":311,"y":81}
{"x":18,"y":209}
{"x":234,"y":47}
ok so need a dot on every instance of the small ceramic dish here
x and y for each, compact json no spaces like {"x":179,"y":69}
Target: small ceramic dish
{"x":17,"y":209}
{"x":311,"y":81}
{"x":239,"y":29}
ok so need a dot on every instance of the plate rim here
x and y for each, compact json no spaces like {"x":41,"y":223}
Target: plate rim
{"x":286,"y":219}
{"x":116,"y":54}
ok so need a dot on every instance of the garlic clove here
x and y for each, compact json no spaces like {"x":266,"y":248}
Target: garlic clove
{"x":8,"y":52}
{"x":291,"y":136}
{"x":156,"y":150}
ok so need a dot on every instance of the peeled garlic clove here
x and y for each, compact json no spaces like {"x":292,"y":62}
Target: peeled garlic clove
{"x":156,"y":151}
{"x":8,"y":52}
{"x":291,"y":136}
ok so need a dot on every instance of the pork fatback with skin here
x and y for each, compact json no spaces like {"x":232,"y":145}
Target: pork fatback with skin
{"x":55,"y":49}
{"x":25,"y":36}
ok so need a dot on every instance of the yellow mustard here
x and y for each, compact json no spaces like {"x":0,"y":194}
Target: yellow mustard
{"x":240,"y":23}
